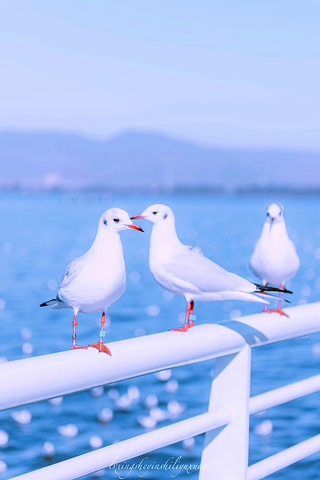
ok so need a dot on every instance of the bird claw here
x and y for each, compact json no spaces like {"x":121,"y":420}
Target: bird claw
{"x":278,"y":310}
{"x":76,"y":347}
{"x":185,"y":327}
{"x":101,"y":347}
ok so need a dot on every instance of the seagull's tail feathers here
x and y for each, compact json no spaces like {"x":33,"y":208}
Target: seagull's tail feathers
{"x":241,"y":295}
{"x":49,"y":303}
{"x":267,"y":288}
{"x":54,"y":303}
{"x":269,"y":295}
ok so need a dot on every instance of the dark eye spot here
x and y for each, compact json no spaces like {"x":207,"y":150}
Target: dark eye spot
{"x":105,"y":222}
{"x":165,"y":216}
{"x":116,"y":220}
{"x":268,"y":214}
{"x":154,"y":213}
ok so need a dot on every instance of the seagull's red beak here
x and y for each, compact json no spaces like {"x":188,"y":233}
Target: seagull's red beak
{"x":135,"y":227}
{"x":135,"y":217}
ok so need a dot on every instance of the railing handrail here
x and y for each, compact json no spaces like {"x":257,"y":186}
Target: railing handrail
{"x":147,"y":442}
{"x":133,"y":447}
{"x":63,"y":373}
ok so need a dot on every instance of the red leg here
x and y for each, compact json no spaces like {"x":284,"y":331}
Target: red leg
{"x":265,"y":308}
{"x":187,"y":324}
{"x":191,"y":316}
{"x":100,"y":345}
{"x":279,"y":309}
{"x":74,"y":324}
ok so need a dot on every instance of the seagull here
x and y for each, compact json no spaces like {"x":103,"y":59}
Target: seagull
{"x":275,"y":259}
{"x":94,"y":281}
{"x":185,"y":271}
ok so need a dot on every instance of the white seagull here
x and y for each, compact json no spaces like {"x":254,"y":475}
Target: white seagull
{"x":185,"y":271}
{"x":98,"y":278}
{"x":275,"y":259}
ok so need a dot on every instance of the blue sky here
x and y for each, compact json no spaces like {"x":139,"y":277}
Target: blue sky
{"x":220,"y":73}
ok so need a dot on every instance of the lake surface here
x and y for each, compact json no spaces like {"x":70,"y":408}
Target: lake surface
{"x":41,"y":233}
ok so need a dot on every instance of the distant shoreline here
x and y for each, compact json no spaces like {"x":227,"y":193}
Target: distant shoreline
{"x":140,"y":162}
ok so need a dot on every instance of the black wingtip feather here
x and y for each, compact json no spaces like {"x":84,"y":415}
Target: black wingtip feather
{"x":45,"y":304}
{"x":267,"y":288}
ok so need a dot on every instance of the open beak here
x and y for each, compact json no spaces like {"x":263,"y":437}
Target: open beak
{"x":135,"y":227}
{"x":135,"y":217}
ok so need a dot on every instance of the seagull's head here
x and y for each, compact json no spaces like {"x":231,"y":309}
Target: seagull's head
{"x":115,"y":220}
{"x":156,"y":214}
{"x":275,"y":213}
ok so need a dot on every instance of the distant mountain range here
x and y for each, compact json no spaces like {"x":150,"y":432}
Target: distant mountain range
{"x":139,"y":161}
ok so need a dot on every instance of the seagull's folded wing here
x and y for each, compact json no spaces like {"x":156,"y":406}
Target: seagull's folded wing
{"x":71,"y":272}
{"x":204,"y":275}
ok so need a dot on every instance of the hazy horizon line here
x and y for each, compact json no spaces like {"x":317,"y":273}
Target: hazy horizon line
{"x":159,"y":133}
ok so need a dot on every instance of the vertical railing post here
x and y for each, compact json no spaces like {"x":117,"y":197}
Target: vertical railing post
{"x":225,"y":453}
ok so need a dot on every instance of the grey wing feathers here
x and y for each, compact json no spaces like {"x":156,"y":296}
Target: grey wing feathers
{"x":196,"y":251}
{"x":71,"y":272}
{"x":205,"y":274}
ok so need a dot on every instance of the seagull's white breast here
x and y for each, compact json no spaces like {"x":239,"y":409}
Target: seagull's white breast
{"x":99,"y":280}
{"x":275,"y":259}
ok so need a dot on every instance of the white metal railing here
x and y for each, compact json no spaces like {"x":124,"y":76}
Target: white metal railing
{"x":225,"y":452}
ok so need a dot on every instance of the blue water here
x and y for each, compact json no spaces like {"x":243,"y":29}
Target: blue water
{"x":41,"y":233}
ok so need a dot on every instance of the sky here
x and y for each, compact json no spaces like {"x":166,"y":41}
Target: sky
{"x":232,"y":74}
